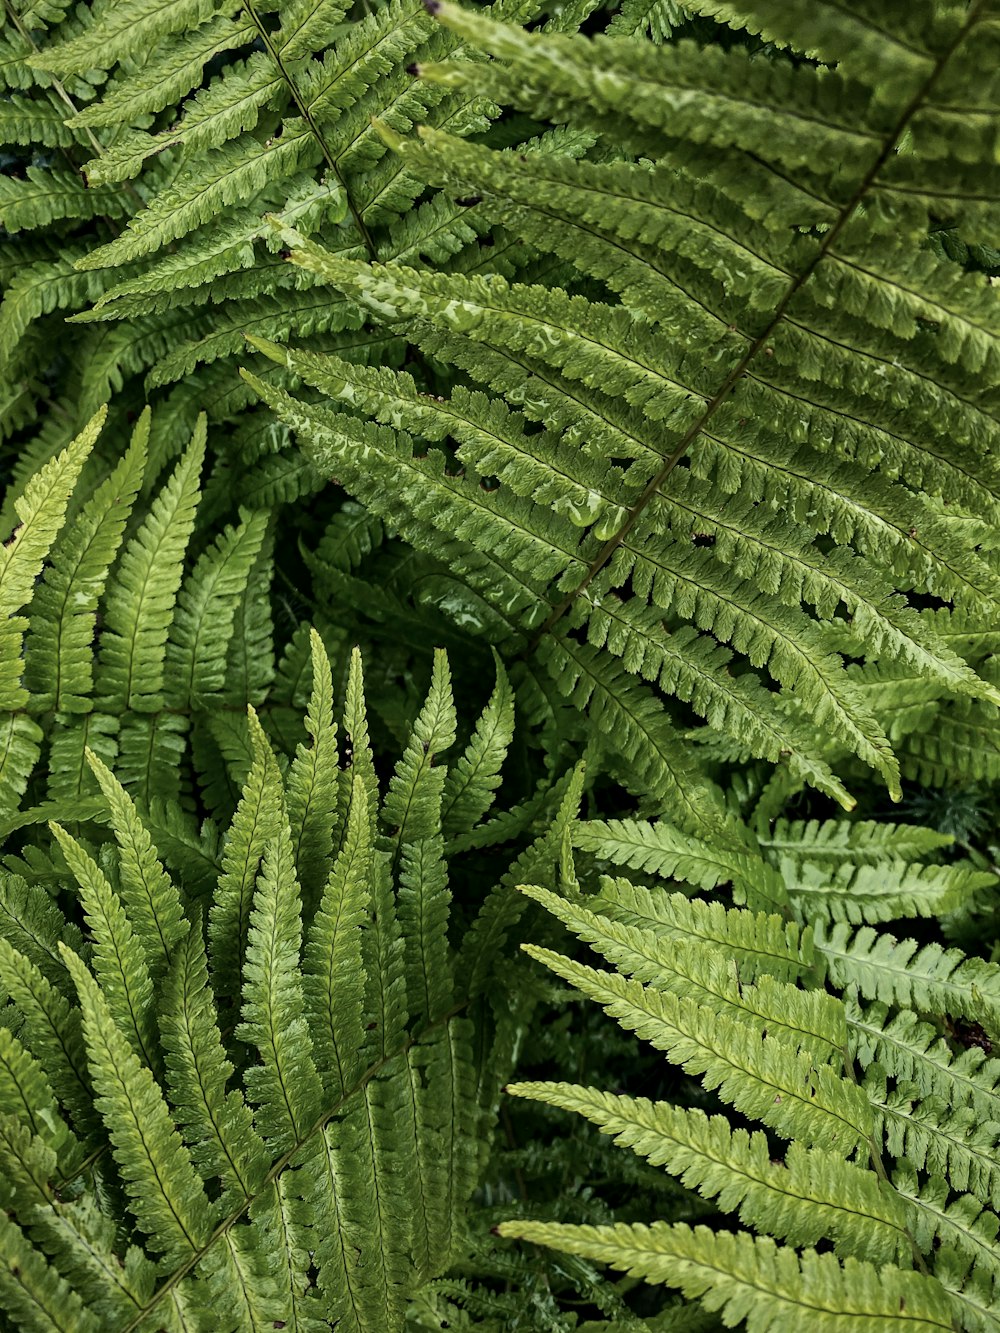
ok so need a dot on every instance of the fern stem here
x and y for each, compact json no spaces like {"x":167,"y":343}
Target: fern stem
{"x":761,"y":342}
{"x":310,"y":120}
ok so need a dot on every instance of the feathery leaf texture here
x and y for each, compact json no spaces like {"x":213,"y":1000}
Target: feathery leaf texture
{"x":743,"y":416}
{"x":895,"y":1168}
{"x":289,"y":1116}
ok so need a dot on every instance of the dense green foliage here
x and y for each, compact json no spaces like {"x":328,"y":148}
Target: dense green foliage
{"x":617,"y":383}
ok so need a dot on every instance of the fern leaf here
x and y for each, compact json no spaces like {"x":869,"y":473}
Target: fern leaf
{"x":309,"y":25}
{"x":757,"y":943}
{"x":423,"y":905}
{"x":27,"y":1095}
{"x":115,"y":34}
{"x":33,"y":1292}
{"x":334,"y":977}
{"x":653,"y":758}
{"x":284,"y":1087}
{"x":931,"y":1137}
{"x":20,"y":747}
{"x":412,"y":807}
{"x":140,"y":603}
{"x":769,"y":1286}
{"x":770,"y":1081}
{"x":687,"y":968}
{"x":862,"y":841}
{"x":84,"y":1238}
{"x":119,"y":958}
{"x":171,"y":71}
{"x":472,"y":781}
{"x":35,"y":121}
{"x":884,"y":892}
{"x":902,"y":972}
{"x":151,"y":900}
{"x":673,"y":854}
{"x":165,"y":1194}
{"x":250,"y":660}
{"x":59,"y":659}
{"x":658,"y":17}
{"x":312,"y":781}
{"x":206,"y":608}
{"x":41,"y":510}
{"x":53,"y":1031}
{"x":809,"y":1196}
{"x":962,"y":1224}
{"x":384,"y":966}
{"x":910,"y":1050}
{"x":229,"y":105}
{"x":49,"y":196}
{"x":836,"y":33}
{"x":443,"y":1088}
{"x":360,"y":761}
{"x":230,"y":174}
{"x":33,"y":924}
{"x":217,"y":1126}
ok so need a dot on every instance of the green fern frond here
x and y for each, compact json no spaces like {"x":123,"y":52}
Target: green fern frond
{"x":412,"y":807}
{"x":470,"y":787}
{"x":284,"y":1086}
{"x":168,"y":1200}
{"x":774,"y":1082}
{"x":927,"y":978}
{"x":41,"y":511}
{"x":119,"y":957}
{"x":65,"y":604}
{"x":140,"y":605}
{"x":754,"y":1279}
{"x":811,"y":1195}
{"x":312,"y":1160}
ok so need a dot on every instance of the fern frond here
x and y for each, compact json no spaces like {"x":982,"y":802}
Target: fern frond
{"x":673,"y":854}
{"x":313,"y":781}
{"x":470,"y":787}
{"x":768,"y":1285}
{"x":59,"y":661}
{"x":200,"y":634}
{"x":770,"y":1081}
{"x":687,"y":969}
{"x":284,"y":1087}
{"x":52,"y":1030}
{"x":112,"y":35}
{"x":757,"y":943}
{"x":334,"y":977}
{"x":931,"y":1137}
{"x":884,"y":892}
{"x":51,"y":196}
{"x":168,"y":75}
{"x":33,"y":924}
{"x":34,"y":1293}
{"x":217,"y":1126}
{"x":913,"y":1051}
{"x":165,"y":1194}
{"x":140,"y":606}
{"x":810,"y":1195}
{"x":901,"y":972}
{"x":151,"y":900}
{"x":862,"y":841}
{"x":412,"y":806}
{"x":42,"y":511}
{"x":119,"y":958}
{"x":424,"y":901}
